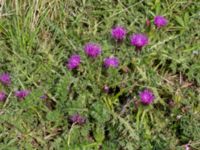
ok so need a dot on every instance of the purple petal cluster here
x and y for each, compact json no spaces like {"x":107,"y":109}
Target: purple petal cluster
{"x":146,"y":96}
{"x":92,"y":50}
{"x":118,"y":33}
{"x":5,"y":79}
{"x":43,"y":97}
{"x":187,"y":147}
{"x":77,"y":119}
{"x":73,"y":62}
{"x":111,"y":62}
{"x":106,"y":88}
{"x":2,"y":96}
{"x":148,"y":23}
{"x":160,"y":21}
{"x":139,"y":40}
{"x":21,"y":94}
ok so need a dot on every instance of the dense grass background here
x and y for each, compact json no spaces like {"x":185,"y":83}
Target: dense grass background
{"x":38,"y":36}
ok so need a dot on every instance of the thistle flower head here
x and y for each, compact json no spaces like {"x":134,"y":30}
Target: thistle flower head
{"x":111,"y":62}
{"x":139,"y":40}
{"x":77,"y":119}
{"x":2,"y":96}
{"x":106,"y":88}
{"x":160,"y":21}
{"x":118,"y":33}
{"x":92,"y":50}
{"x":148,"y":23}
{"x":73,"y":62}
{"x":5,"y":79}
{"x":21,"y":94}
{"x":43,"y":97}
{"x":146,"y":96}
{"x":187,"y":147}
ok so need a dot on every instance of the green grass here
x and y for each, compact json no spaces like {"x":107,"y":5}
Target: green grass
{"x":36,"y":39}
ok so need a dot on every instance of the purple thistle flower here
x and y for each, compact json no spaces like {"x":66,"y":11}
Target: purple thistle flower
{"x":171,"y":103}
{"x":118,"y":33}
{"x":43,"y":97}
{"x":2,"y":96}
{"x":187,"y":147}
{"x":111,"y":62}
{"x":92,"y":49}
{"x":146,"y":97}
{"x":106,"y":89}
{"x":139,"y":40}
{"x":160,"y":21}
{"x":5,"y":79}
{"x":73,"y":62}
{"x":148,"y":23}
{"x":77,"y":119}
{"x":21,"y":94}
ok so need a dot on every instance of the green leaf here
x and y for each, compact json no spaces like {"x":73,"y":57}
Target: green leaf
{"x":180,"y":21}
{"x":99,"y":134}
{"x":53,"y":116}
{"x":99,"y":112}
{"x":186,"y":18}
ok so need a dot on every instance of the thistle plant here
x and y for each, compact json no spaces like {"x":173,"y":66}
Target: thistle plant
{"x":99,"y":75}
